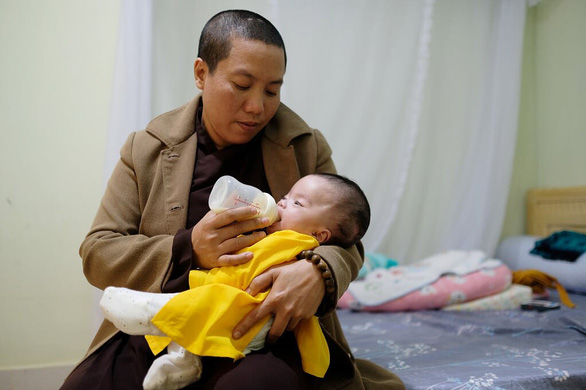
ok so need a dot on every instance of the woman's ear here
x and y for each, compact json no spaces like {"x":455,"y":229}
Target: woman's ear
{"x":322,"y":235}
{"x":200,"y":71}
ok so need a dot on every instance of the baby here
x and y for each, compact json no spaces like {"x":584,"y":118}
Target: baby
{"x":319,"y":209}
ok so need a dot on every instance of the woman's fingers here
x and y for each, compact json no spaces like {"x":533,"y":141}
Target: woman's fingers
{"x":278,"y":328}
{"x":261,"y":283}
{"x":296,"y":291}
{"x":234,"y":244}
{"x":233,"y":259}
{"x":241,"y":218}
{"x":248,"y":322}
{"x":217,"y":237}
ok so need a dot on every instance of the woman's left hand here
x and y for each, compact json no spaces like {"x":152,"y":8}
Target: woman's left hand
{"x":297,"y":289}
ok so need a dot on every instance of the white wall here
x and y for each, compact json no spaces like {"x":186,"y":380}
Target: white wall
{"x":56,"y":65}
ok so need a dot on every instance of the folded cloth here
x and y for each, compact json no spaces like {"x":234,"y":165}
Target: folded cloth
{"x":431,"y":283}
{"x":374,"y":261}
{"x":539,"y":281}
{"x":512,"y":298}
{"x":565,"y":245}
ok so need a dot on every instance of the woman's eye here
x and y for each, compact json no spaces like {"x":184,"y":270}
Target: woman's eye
{"x":241,"y":87}
{"x":271,"y":94}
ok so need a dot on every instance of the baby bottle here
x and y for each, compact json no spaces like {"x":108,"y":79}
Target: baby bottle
{"x":229,"y":193}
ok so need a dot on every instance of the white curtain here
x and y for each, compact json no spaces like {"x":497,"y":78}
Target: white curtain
{"x":131,"y":92}
{"x":459,"y":178}
{"x":418,"y":100}
{"x":130,"y":108}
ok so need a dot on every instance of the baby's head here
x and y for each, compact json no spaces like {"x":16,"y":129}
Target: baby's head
{"x":330,"y":207}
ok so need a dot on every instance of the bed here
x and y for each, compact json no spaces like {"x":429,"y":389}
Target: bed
{"x":499,"y":349}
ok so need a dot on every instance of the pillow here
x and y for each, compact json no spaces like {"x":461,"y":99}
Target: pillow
{"x":515,"y":252}
{"x":512,"y":298}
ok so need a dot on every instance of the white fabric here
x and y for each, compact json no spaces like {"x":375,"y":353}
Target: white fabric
{"x":130,"y":107}
{"x":132,"y":311}
{"x":357,"y":73}
{"x":418,"y":100}
{"x":131,"y":93}
{"x":459,"y":177}
{"x":384,"y":285}
{"x":173,"y":370}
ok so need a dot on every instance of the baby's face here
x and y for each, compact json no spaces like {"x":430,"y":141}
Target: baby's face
{"x":307,"y":207}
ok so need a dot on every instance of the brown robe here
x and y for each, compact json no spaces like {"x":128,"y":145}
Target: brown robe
{"x":146,"y":203}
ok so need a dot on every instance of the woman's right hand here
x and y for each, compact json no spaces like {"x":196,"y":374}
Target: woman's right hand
{"x":216,"y":237}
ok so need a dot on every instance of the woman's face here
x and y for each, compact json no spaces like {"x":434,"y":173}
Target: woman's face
{"x":243,"y":93}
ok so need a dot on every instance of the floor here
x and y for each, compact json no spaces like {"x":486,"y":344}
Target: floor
{"x":34,"y":378}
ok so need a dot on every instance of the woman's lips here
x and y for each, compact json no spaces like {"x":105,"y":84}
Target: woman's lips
{"x":248,"y":126}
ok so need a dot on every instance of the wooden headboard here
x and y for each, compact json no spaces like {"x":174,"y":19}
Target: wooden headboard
{"x":555,"y":209}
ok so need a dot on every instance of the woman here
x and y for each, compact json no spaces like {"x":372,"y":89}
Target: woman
{"x":153,"y":225}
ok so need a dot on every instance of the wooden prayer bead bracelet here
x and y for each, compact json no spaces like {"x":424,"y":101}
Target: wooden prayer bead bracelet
{"x":326,"y":274}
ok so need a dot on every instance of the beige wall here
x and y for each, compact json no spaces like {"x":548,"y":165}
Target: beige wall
{"x":56,"y":62}
{"x":551,"y":145}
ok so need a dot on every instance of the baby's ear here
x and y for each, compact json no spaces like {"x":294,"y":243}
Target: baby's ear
{"x":323,"y":235}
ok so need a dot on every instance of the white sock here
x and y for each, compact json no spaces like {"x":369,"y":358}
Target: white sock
{"x":132,"y":311}
{"x":175,"y":370}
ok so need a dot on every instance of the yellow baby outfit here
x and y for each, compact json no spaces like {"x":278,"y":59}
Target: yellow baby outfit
{"x":202,"y":318}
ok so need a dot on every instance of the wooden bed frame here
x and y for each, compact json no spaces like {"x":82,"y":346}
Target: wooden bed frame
{"x":554,"y":209}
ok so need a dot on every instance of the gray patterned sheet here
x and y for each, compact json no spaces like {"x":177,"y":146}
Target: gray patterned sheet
{"x":511,"y":349}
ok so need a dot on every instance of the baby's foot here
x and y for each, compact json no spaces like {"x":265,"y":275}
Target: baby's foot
{"x":175,"y":370}
{"x":132,"y":311}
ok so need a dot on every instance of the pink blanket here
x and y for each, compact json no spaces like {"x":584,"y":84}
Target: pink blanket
{"x":448,"y":289}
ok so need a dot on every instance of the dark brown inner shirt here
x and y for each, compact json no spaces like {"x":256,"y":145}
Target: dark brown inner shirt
{"x":244,"y":162}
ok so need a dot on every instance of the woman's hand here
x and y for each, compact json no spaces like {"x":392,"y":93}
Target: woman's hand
{"x":216,"y":237}
{"x":297,"y":289}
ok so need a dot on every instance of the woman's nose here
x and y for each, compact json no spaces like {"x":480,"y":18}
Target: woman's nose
{"x":254,"y":104}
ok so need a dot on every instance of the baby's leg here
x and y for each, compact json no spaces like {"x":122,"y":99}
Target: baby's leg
{"x":175,"y":370}
{"x":132,"y":311}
